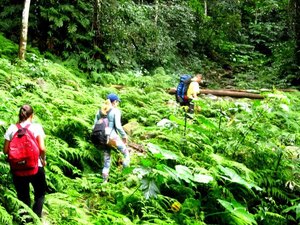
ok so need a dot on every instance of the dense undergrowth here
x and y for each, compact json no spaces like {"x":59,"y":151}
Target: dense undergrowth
{"x":234,"y":162}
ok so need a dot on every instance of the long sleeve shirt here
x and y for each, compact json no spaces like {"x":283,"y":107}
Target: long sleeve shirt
{"x":114,"y":122}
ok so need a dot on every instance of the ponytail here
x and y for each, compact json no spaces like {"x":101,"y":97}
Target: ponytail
{"x":106,"y":107}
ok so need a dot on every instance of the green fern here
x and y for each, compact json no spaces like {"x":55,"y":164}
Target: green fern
{"x":65,"y":208}
{"x":18,"y":209}
{"x":111,"y":217}
{"x":5,"y":217}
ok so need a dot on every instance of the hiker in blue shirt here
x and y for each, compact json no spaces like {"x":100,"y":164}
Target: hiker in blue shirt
{"x":117,"y":135}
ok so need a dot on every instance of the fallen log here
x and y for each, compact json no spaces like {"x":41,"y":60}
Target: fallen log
{"x":236,"y":94}
{"x":224,"y":92}
{"x":260,"y":90}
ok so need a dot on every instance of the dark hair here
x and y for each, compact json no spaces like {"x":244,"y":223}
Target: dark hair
{"x":25,"y":112}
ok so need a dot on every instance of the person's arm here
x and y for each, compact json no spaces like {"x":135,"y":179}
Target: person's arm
{"x":6,"y":146}
{"x":193,"y":90}
{"x":118,"y":126}
{"x":7,"y":137}
{"x":41,"y":144}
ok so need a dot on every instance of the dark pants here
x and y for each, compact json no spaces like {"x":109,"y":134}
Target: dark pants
{"x":38,"y":182}
{"x":190,"y":104}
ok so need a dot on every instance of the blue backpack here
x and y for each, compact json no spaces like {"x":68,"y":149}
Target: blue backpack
{"x":182,"y":88}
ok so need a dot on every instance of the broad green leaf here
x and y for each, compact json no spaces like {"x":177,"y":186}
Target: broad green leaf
{"x":161,"y":153}
{"x":171,"y":172}
{"x":256,"y":103}
{"x":153,"y":148}
{"x":149,"y":188}
{"x":146,"y":162}
{"x":202,"y":131}
{"x":177,"y":120}
{"x":169,"y":155}
{"x":206,"y":122}
{"x":141,"y":171}
{"x":232,"y":176}
{"x":285,"y":107}
{"x":202,"y":178}
{"x":127,"y":170}
{"x":184,"y":173}
{"x":238,"y":211}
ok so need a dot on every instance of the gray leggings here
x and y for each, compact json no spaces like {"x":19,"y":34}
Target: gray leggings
{"x":107,"y":157}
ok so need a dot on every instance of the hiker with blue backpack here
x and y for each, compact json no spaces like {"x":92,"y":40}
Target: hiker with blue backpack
{"x":24,"y":145}
{"x":188,"y":90}
{"x":115,"y":136}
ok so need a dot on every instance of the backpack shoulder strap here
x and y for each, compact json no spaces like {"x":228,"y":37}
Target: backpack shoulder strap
{"x":99,"y":115}
{"x":31,"y":134}
{"x":20,"y":127}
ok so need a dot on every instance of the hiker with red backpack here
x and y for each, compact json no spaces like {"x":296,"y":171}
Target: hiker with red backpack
{"x":188,"y":90}
{"x":116,"y":136}
{"x":24,"y":145}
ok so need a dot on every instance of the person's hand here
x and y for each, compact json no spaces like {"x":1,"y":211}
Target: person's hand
{"x":43,"y":161}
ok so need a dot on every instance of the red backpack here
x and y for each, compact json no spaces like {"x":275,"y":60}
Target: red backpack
{"x":23,"y":154}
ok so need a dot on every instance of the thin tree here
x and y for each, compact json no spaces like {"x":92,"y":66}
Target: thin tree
{"x":205,"y":8}
{"x":297,"y":30}
{"x":24,"y":30}
{"x":156,"y":11}
{"x":96,"y":22}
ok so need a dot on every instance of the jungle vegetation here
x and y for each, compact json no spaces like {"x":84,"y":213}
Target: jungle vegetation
{"x":236,"y":161}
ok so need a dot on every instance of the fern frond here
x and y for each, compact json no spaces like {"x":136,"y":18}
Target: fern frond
{"x":5,"y":217}
{"x":56,"y":181}
{"x":277,"y":193}
{"x":111,"y":217}
{"x":273,"y":218}
{"x":66,"y":208}
{"x":18,"y":208}
{"x":4,"y":167}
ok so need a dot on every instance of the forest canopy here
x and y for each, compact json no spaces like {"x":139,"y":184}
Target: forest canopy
{"x":259,"y":38}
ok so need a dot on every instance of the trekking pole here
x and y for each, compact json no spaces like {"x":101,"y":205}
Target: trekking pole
{"x":185,"y":122}
{"x":185,"y":128}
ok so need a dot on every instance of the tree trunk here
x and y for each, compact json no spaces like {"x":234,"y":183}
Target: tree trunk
{"x":235,"y":94}
{"x":254,"y":94}
{"x":156,"y":11}
{"x":24,"y":30}
{"x":205,"y":7}
{"x":297,"y":30}
{"x":96,"y":26}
